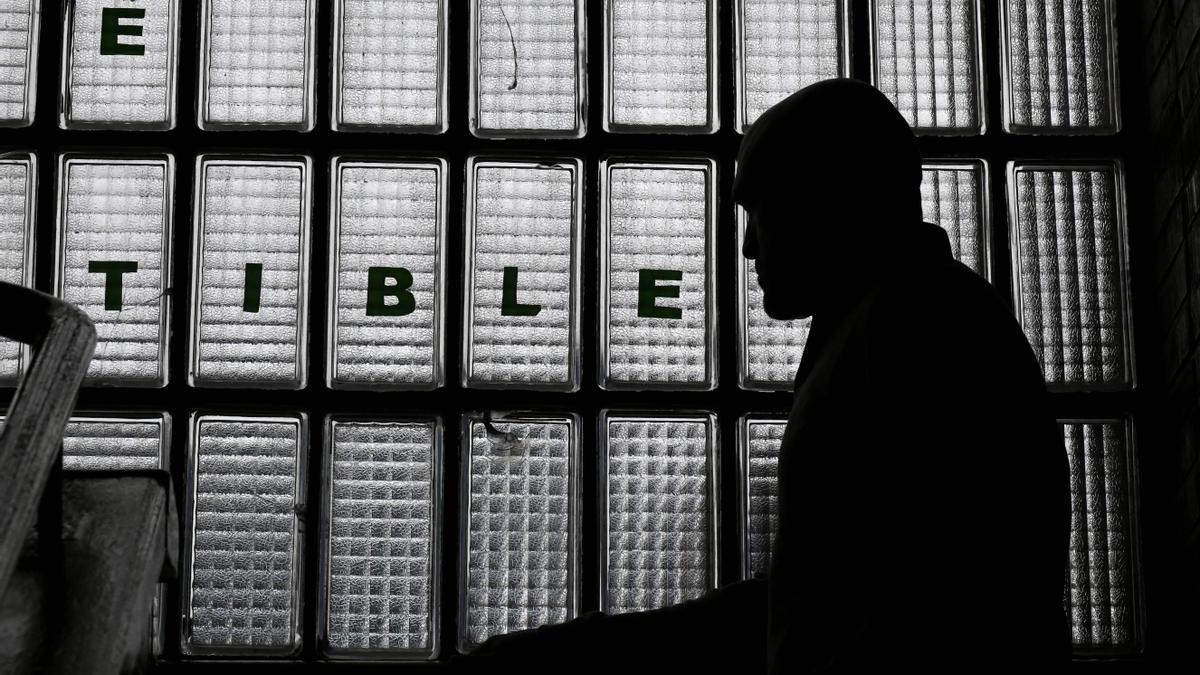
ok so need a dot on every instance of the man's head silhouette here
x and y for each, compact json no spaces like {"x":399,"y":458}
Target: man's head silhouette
{"x":829,"y":177}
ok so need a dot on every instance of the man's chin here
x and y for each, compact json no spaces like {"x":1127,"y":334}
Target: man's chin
{"x":785,"y":312}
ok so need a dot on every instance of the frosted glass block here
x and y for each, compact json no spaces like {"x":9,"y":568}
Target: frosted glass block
{"x":520,"y":510}
{"x":242,"y":577}
{"x":1059,"y":69}
{"x":759,"y":439}
{"x":18,"y":192}
{"x":1070,"y":272}
{"x":769,"y":350}
{"x":660,"y":545}
{"x":386,"y":299}
{"x":389,"y":67}
{"x":250,"y":277}
{"x":660,"y":66}
{"x":379,"y":575}
{"x":783,"y":46}
{"x":256,"y":64}
{"x":114,"y":261}
{"x":121,"y":57}
{"x":927,"y":62}
{"x":954,"y":196}
{"x":528,"y":74}
{"x":1100,"y":582}
{"x":116,"y":443}
{"x":20,"y":25}
{"x":657,"y":271}
{"x":524,"y":261}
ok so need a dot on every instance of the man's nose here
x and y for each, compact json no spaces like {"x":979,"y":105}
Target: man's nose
{"x":750,"y":243}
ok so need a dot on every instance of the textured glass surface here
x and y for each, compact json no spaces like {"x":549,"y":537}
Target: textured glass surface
{"x":659,"y":219}
{"x":251,"y":213}
{"x":784,"y":46}
{"x":760,"y":459}
{"x":17,"y":180}
{"x":769,"y":349}
{"x":1059,"y":73}
{"x":19,"y":25}
{"x":520,"y":543}
{"x":257,"y":63}
{"x":382,"y":534}
{"x":112,"y":443}
{"x":524,"y":217}
{"x":1100,"y":582}
{"x":1069,"y":265}
{"x":390,"y":64}
{"x":952,"y":197}
{"x":927,"y":61}
{"x":659,"y":547}
{"x":115,"y":228}
{"x":527,"y":67}
{"x":242,"y":576}
{"x":387,"y":215}
{"x":134,"y":85}
{"x":659,"y":70}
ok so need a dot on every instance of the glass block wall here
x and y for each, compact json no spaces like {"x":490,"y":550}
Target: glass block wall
{"x":437,"y":313}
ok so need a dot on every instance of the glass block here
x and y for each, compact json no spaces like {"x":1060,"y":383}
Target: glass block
{"x":129,"y":442}
{"x":250,"y":277}
{"x":242,"y":567}
{"x":524,"y":259}
{"x":528,"y":76}
{"x":769,"y":350}
{"x":380,"y":551}
{"x":1070,"y":272}
{"x":386,"y":302}
{"x":954,"y":196}
{"x":660,"y":66}
{"x":660,"y":477}
{"x":657,"y":276}
{"x":120,"y":62}
{"x":520,"y":510}
{"x":1059,"y":71}
{"x":926,"y":60}
{"x":20,"y":26}
{"x":18,"y":193}
{"x":389,"y":67}
{"x":114,"y":261}
{"x":759,"y":439}
{"x":256,"y":64}
{"x":1100,"y":582}
{"x":783,"y":46}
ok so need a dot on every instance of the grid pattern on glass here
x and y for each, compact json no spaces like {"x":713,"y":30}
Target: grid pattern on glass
{"x":660,"y":65}
{"x":257,"y":64}
{"x":927,"y":61}
{"x":242,"y":573}
{"x":527,"y":74}
{"x":250,"y":279}
{"x":114,"y":261}
{"x":657,"y":276}
{"x":1068,"y":244}
{"x":784,"y":46}
{"x":1059,"y":70}
{"x":520,"y":547}
{"x":759,"y":448}
{"x":116,"y":443}
{"x":18,"y":176}
{"x":1100,"y":587}
{"x":522,"y":314}
{"x":659,"y":539}
{"x":390,"y":64}
{"x":19,"y":27}
{"x":953,"y":195}
{"x":769,"y":349}
{"x":119,"y":67}
{"x":382,"y":533}
{"x":387,"y":280}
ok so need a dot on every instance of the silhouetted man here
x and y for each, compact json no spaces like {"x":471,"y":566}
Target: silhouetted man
{"x":923,"y":484}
